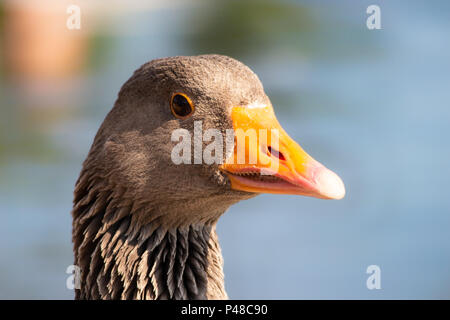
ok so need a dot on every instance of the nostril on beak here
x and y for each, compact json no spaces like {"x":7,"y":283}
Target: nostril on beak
{"x":275,"y":153}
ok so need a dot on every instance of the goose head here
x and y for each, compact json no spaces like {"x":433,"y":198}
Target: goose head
{"x":175,"y":152}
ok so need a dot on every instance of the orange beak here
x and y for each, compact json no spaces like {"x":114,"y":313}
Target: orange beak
{"x":266,"y":160}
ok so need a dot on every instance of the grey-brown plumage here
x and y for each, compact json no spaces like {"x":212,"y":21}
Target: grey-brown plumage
{"x":143,"y":227}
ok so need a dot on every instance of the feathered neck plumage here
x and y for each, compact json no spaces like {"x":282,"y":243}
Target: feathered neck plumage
{"x":122,"y":257}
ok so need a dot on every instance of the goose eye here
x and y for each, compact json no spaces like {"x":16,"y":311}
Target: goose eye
{"x":181,"y":105}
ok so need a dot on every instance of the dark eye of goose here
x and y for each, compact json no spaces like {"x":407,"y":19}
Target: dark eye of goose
{"x":181,"y":105}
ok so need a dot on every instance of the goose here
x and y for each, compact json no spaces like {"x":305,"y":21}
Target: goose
{"x":144,"y":226}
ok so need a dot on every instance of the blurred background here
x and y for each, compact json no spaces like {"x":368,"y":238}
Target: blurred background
{"x":372,"y":105}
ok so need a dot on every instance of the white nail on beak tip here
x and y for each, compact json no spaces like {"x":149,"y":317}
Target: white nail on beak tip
{"x":330,"y":185}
